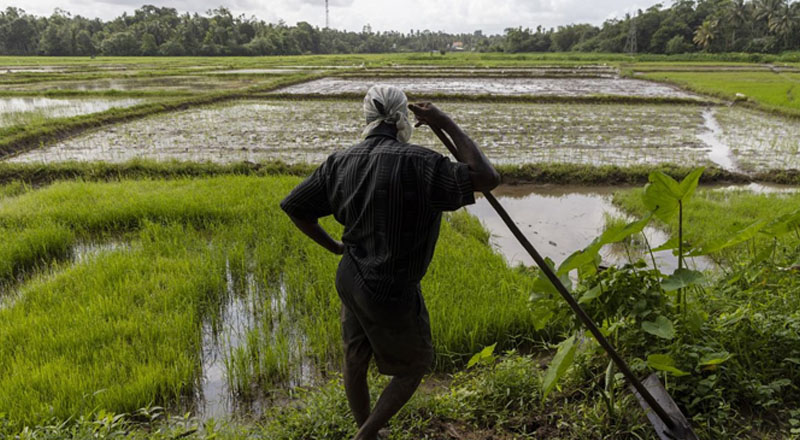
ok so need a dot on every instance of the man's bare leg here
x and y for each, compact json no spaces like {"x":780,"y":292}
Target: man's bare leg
{"x":355,"y":384}
{"x":394,"y":396}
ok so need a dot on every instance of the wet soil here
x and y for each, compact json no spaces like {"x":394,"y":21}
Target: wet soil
{"x":569,"y":87}
{"x":307,"y":132}
{"x":194,"y":83}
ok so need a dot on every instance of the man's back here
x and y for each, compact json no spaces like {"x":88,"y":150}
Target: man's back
{"x":389,"y":196}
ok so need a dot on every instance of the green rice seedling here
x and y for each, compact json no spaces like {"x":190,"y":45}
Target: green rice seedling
{"x":25,"y":249}
{"x":198,"y":245}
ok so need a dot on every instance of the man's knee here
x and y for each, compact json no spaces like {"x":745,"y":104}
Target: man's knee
{"x":412,"y":378}
{"x":357,"y":362}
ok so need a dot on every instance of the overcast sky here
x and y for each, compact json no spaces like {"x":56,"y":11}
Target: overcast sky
{"x":491,"y":16}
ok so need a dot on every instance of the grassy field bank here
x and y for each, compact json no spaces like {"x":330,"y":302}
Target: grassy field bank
{"x":21,"y":176}
{"x":771,"y":91}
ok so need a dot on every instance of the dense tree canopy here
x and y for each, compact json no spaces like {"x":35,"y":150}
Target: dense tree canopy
{"x":685,"y":26}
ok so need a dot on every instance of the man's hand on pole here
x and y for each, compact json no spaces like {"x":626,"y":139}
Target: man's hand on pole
{"x":429,"y":114}
{"x":483,"y":175}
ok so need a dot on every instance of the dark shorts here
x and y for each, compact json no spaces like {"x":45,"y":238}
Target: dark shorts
{"x":397,"y":334}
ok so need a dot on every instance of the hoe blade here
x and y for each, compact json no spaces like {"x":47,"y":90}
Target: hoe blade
{"x":681,"y":429}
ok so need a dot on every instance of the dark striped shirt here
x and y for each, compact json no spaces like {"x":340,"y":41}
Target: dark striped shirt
{"x":389,"y":196}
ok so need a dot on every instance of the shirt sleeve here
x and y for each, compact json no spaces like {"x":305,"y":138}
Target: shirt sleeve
{"x":309,"y":199}
{"x":447,"y":184}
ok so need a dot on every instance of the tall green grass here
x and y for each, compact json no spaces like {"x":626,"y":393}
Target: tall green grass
{"x":123,"y":329}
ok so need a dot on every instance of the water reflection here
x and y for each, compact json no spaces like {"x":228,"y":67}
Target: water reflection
{"x":559,"y":220}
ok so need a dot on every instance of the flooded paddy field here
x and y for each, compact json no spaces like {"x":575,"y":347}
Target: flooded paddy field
{"x":188,"y":83}
{"x":569,"y":87}
{"x":307,"y":131}
{"x":760,"y":141}
{"x":23,"y":110}
{"x":589,"y":71}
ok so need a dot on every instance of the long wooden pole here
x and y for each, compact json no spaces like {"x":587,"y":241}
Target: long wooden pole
{"x":582,"y":315}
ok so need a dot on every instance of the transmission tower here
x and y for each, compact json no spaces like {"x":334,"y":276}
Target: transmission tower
{"x":327,"y":16}
{"x":630,"y":44}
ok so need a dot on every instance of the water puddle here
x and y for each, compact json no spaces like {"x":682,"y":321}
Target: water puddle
{"x":720,"y":152}
{"x":222,"y":336}
{"x":9,"y":294}
{"x":86,"y":251}
{"x":250,"y":322}
{"x":4,"y":70}
{"x":761,"y":188}
{"x":559,"y":220}
{"x":28,"y":109}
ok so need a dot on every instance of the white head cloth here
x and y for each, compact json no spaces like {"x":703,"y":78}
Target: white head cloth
{"x":388,"y":104}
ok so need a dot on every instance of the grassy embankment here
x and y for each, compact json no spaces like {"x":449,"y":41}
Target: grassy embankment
{"x":777,"y":93}
{"x":122,"y":329}
{"x":34,"y":175}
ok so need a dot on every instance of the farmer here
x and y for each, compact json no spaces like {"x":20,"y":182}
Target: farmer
{"x":389,"y":195}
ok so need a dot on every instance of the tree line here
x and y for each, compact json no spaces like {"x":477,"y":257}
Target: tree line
{"x":757,"y":26}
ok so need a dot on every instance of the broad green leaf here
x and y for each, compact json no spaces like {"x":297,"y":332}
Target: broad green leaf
{"x":661,"y":327}
{"x":670,"y":185}
{"x":542,"y":283}
{"x":672,"y":243}
{"x":783,"y":224}
{"x":619,"y":233}
{"x":591,"y":294}
{"x":662,"y":194}
{"x":541,"y":316}
{"x":559,"y":365}
{"x":740,"y":237}
{"x":660,"y":201}
{"x":714,"y":359}
{"x":579,"y":259}
{"x":663,"y":362}
{"x":681,"y":278}
{"x":585,"y":260}
{"x":484,"y":356}
{"x":689,"y":183}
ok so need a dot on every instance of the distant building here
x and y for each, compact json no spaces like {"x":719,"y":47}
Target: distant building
{"x":457,"y":46}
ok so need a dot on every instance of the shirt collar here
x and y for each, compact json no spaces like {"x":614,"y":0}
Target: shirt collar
{"x":383,"y":129}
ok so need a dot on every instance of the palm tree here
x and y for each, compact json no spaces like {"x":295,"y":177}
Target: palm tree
{"x":766,"y":10}
{"x":783,"y":22}
{"x":705,"y":33}
{"x":737,"y":14}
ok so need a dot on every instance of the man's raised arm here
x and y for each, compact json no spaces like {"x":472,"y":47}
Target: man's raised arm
{"x":483,"y":175}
